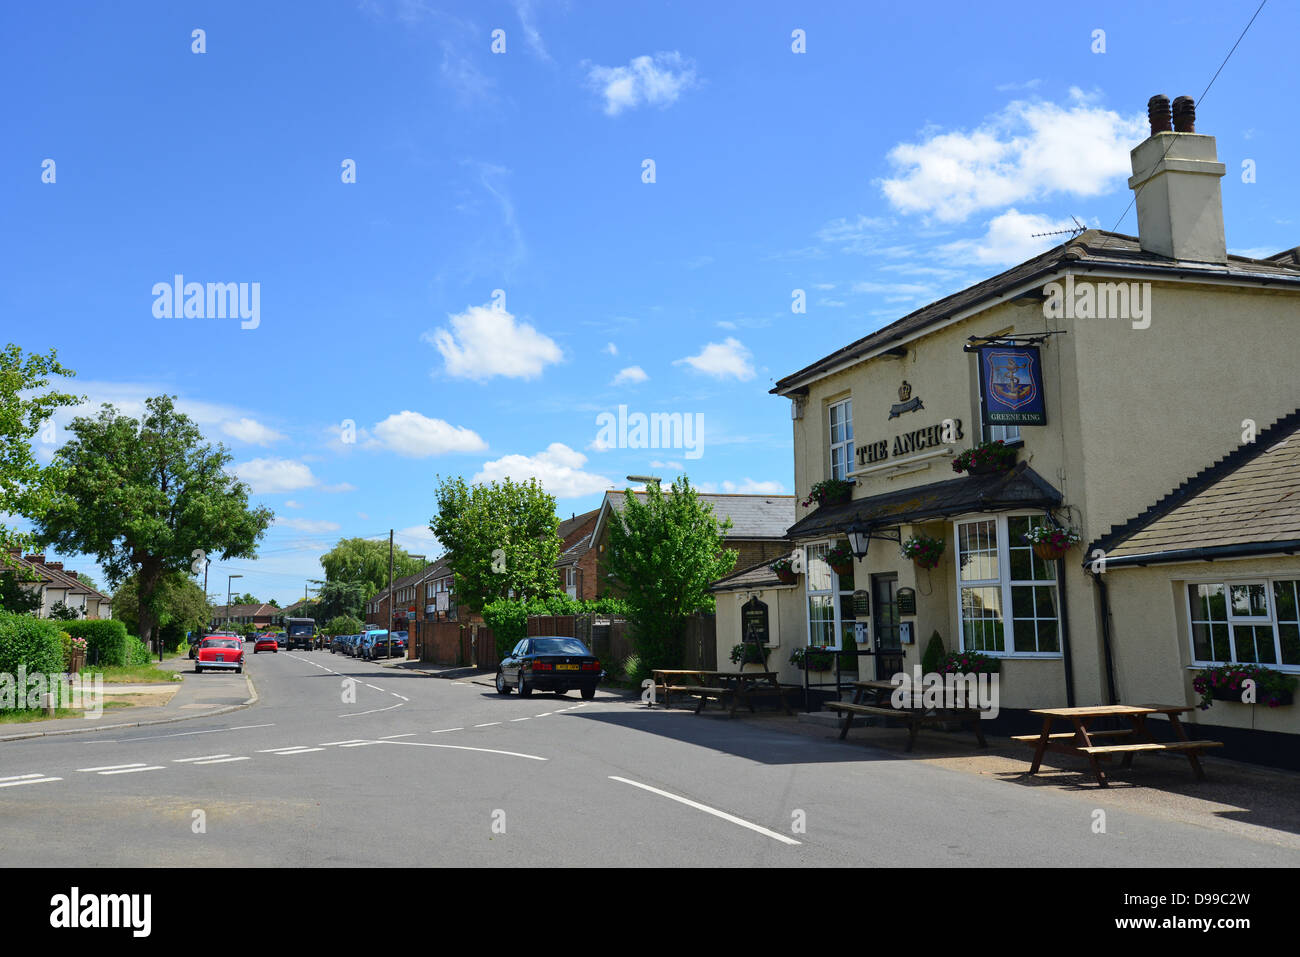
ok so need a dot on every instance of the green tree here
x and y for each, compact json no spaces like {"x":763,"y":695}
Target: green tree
{"x":341,"y":599}
{"x":366,"y":561}
{"x":61,"y":612}
{"x":14,"y":597}
{"x":146,"y":497}
{"x":663,"y":554}
{"x":343,"y":625}
{"x":500,"y":537}
{"x":245,"y":599}
{"x":26,"y":487}
{"x":180,"y":603}
{"x":87,"y":580}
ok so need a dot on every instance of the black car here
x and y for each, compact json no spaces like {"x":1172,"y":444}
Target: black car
{"x":549,"y":664}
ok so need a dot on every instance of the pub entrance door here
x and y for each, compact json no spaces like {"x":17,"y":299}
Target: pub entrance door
{"x":884,"y":625}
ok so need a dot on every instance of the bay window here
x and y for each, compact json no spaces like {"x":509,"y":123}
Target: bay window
{"x":1245,"y":622}
{"x":1007,"y":596}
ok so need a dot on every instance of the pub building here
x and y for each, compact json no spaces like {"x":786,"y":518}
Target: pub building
{"x":1119,"y":370}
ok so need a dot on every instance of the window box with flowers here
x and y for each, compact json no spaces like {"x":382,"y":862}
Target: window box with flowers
{"x":970,"y":662}
{"x":1224,"y":683}
{"x":927,"y":552}
{"x":1051,"y":541}
{"x":840,"y":557}
{"x":813,"y":658}
{"x":986,"y":458}
{"x":785,"y":572}
{"x":829,"y":492}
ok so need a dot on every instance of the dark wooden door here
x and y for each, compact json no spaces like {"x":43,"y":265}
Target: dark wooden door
{"x":884,"y":625}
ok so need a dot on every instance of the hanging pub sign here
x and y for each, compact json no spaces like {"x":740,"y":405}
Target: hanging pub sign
{"x":753,"y":616}
{"x":906,"y":598}
{"x":1011,"y":385}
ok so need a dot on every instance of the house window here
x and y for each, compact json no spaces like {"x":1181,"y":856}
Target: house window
{"x":571,"y":581}
{"x":1008,"y":595}
{"x":841,"y":414}
{"x":830,"y":600}
{"x":1007,"y":433}
{"x":1245,"y":622}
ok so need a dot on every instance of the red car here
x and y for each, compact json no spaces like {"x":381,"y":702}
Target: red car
{"x":266,"y":643}
{"x":220,"y":653}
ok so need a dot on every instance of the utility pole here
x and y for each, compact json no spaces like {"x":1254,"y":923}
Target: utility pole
{"x":390,"y":580}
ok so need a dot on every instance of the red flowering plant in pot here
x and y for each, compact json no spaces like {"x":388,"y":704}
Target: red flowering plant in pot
{"x":970,"y":662}
{"x":840,"y":557}
{"x":1052,"y":541}
{"x":829,"y":492}
{"x":927,"y":552}
{"x":1227,"y":683}
{"x":785,"y":572}
{"x":985,"y":458}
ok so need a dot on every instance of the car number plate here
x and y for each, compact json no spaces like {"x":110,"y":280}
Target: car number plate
{"x":221,"y":657}
{"x":566,"y":667}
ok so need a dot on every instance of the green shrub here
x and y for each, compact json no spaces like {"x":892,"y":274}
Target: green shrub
{"x":633,"y":671}
{"x":508,"y":617}
{"x":343,"y":625}
{"x":934,"y":655}
{"x":34,"y":644}
{"x":137,"y":652}
{"x":105,"y":640}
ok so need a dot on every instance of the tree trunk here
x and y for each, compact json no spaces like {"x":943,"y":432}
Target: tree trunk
{"x":147,"y":584}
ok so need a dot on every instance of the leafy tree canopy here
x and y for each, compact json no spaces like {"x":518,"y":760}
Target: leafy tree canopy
{"x":144,"y":496}
{"x":14,"y":597}
{"x":499,"y":537}
{"x":365,"y":561}
{"x":179,"y":601}
{"x":341,"y":599}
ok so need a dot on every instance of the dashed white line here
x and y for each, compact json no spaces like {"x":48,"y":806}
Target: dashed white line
{"x":222,"y":760}
{"x":20,"y":777}
{"x":396,"y":695}
{"x":278,"y":750}
{"x":373,"y":687}
{"x":389,"y":737}
{"x":545,"y":714}
{"x":152,"y":767}
{"x":297,"y":751}
{"x":26,"y":779}
{"x":203,"y":757}
{"x":111,"y":767}
{"x":513,"y":720}
{"x":445,"y":730}
{"x":330,"y":744}
{"x":487,"y":724}
{"x":354,"y":714}
{"x":358,"y":744}
{"x":708,"y":810}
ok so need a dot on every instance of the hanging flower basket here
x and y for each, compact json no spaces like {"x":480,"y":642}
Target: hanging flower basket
{"x":784,"y":569}
{"x":1052,"y":542}
{"x":925,"y":551}
{"x":829,"y":492}
{"x":840,"y":558}
{"x":986,"y":459}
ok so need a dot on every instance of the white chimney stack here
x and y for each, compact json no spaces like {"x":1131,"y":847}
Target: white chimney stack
{"x":1176,"y":177}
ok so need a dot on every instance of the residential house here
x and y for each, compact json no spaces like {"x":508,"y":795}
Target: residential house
{"x":56,"y":584}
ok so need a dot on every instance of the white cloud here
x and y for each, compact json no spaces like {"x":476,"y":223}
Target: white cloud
{"x":525,"y":10}
{"x":417,"y":436}
{"x":747,"y":487}
{"x":485,"y":341}
{"x":657,"y":81}
{"x":418,"y":540}
{"x":1009,"y":239}
{"x":310,"y":526}
{"x":251,"y":431}
{"x":611,"y":349}
{"x":558,"y":468}
{"x":722,"y":360}
{"x":630,"y":375}
{"x":290,"y":503}
{"x":266,"y":476}
{"x":1029,"y":151}
{"x":340,"y":487}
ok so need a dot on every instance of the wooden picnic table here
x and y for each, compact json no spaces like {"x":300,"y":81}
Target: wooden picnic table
{"x":742,"y":687}
{"x":669,"y":680}
{"x":1136,"y":739}
{"x":873,"y":698}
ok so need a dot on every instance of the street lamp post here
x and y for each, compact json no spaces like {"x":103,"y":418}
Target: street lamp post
{"x":229,"y":579}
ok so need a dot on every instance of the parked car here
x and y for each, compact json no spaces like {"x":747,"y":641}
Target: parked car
{"x":399,"y":644}
{"x":194,"y":648}
{"x":266,"y":643}
{"x":549,"y":664}
{"x":381,"y":646}
{"x":222,"y":653}
{"x":282,"y":639}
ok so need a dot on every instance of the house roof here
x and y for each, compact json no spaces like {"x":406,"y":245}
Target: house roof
{"x":54,"y":575}
{"x":574,"y":553}
{"x":1021,"y":487}
{"x":260,"y":610}
{"x":1247,"y":503}
{"x":1092,"y":249}
{"x":755,"y":576}
{"x":753,"y":517}
{"x":570,"y":525}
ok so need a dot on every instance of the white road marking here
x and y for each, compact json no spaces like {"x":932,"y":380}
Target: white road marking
{"x":278,"y":750}
{"x":298,"y":751}
{"x":330,"y":744}
{"x":396,"y":695}
{"x":445,"y":730}
{"x":154,"y":767}
{"x":458,"y":747}
{"x":513,"y":720}
{"x":113,"y":767}
{"x":359,"y":744}
{"x":223,"y":760}
{"x":181,"y":734}
{"x":389,"y":737}
{"x":487,"y":724}
{"x":204,"y":757}
{"x":709,"y":810}
{"x":21,"y":777}
{"x":27,"y":779}
{"x":545,"y":714}
{"x":373,"y":687}
{"x":354,"y":714}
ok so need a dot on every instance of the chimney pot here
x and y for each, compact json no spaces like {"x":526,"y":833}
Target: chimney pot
{"x":1158,"y":114}
{"x":1184,"y":115}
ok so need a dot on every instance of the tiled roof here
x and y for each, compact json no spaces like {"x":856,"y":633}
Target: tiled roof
{"x":571,"y":525}
{"x":756,"y":576}
{"x":1246,"y":503}
{"x":1021,"y":487}
{"x":261,"y":610}
{"x":762,"y":517}
{"x":572,"y":554}
{"x":1092,"y":249}
{"x":54,"y":577}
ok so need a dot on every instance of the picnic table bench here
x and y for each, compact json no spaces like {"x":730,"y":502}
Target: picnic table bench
{"x":915,"y":718}
{"x":742,"y":687}
{"x":1134,"y":740}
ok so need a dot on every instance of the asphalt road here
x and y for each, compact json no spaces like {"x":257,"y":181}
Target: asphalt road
{"x":411,"y":770}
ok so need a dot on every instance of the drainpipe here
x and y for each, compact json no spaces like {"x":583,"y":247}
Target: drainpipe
{"x":1104,"y":597}
{"x":1065,"y":634}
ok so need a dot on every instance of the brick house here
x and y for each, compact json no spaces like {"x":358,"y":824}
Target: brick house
{"x":56,"y":584}
{"x":577,"y":561}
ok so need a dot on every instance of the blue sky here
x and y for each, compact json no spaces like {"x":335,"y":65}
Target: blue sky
{"x":910,"y":151}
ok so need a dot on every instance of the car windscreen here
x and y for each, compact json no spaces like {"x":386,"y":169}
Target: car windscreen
{"x":304,"y":628}
{"x":220,"y":643}
{"x":559,"y":646}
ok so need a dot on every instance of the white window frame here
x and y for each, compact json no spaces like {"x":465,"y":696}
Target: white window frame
{"x":847,"y":444}
{"x":571,"y":581}
{"x":835,"y":592}
{"x":1248,"y":620}
{"x":1007,"y":433}
{"x":1004,"y":584}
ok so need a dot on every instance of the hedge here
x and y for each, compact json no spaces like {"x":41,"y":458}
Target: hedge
{"x":35,"y":644}
{"x":508,"y":617}
{"x":105,"y":640}
{"x":137,"y":652}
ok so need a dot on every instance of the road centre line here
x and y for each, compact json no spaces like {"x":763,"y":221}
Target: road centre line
{"x":28,"y":779}
{"x":487,"y":724}
{"x":330,"y":744}
{"x":112,"y":767}
{"x":709,"y":810}
{"x":154,"y":767}
{"x":389,"y":737}
{"x":223,"y":760}
{"x":202,"y":757}
{"x":21,"y":777}
{"x":445,"y":730}
{"x":297,"y":751}
{"x":358,"y":744}
{"x":459,"y":747}
{"x":294,"y":747}
{"x":513,"y":720}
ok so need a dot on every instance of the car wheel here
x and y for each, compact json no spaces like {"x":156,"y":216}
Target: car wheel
{"x":588,"y":692}
{"x":239,"y":670}
{"x":502,"y":687}
{"x":254,"y":651}
{"x":524,"y":690}
{"x":561,"y":692}
{"x":198,"y":670}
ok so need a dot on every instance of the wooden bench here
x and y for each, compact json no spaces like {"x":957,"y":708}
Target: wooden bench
{"x":1067,"y":735}
{"x":914,"y":718}
{"x":1151,"y":746}
{"x":738,"y":693}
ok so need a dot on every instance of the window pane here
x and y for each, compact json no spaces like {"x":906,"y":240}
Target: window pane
{"x":818,"y":574}
{"x":1222,"y":650}
{"x":1290,"y":635}
{"x":1249,"y":601}
{"x":978,"y":543}
{"x":1284,"y":600}
{"x":981,"y":610}
{"x":1201,"y":650}
{"x":821,"y":620}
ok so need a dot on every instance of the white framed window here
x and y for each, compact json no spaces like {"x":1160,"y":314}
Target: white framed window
{"x":1251,"y":621}
{"x":1008,"y":603}
{"x":571,"y":581}
{"x":841,"y":423}
{"x":1007,"y":433}
{"x":830,"y":599}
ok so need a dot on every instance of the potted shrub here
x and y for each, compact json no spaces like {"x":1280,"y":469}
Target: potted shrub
{"x":970,"y":662}
{"x":813,"y":658}
{"x":985,"y":458}
{"x":748,"y":653}
{"x":840,"y":558}
{"x":1224,"y":683}
{"x":784,"y":569}
{"x":925,"y":551}
{"x":1052,"y":542}
{"x":829,"y":492}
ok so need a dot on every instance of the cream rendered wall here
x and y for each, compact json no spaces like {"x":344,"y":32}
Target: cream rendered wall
{"x":786,"y":624}
{"x":1153,"y":654}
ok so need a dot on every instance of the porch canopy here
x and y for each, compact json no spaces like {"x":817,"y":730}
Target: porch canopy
{"x":1021,"y":487}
